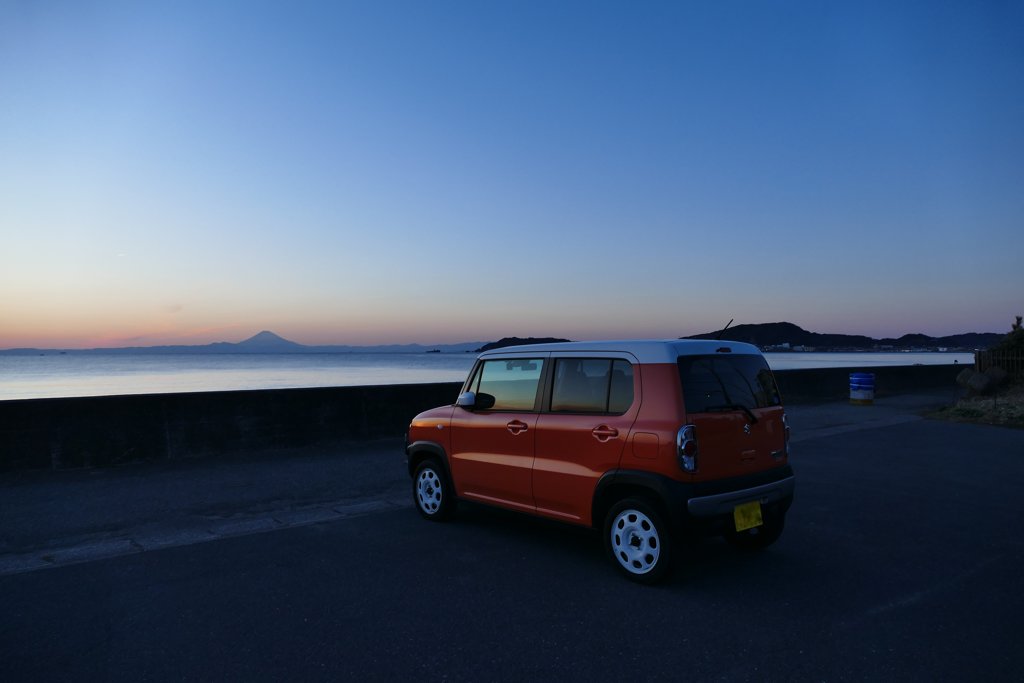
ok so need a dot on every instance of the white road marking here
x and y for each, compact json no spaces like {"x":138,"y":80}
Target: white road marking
{"x":130,"y":541}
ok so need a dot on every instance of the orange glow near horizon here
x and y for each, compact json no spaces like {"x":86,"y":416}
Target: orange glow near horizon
{"x":387,"y":177}
{"x":52,"y":335}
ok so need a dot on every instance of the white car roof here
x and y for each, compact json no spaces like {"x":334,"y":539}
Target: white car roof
{"x":644,"y":350}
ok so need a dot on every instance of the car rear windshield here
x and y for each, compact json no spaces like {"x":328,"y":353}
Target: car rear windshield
{"x":727,"y":381}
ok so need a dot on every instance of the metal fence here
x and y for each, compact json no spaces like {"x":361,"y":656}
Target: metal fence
{"x":1012,"y":363}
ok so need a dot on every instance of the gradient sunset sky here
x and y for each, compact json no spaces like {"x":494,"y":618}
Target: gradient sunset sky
{"x":391,"y":172}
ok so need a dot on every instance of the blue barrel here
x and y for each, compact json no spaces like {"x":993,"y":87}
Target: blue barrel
{"x":862,"y":388}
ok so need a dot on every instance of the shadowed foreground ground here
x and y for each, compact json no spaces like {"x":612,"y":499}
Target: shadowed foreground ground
{"x":901,"y":560}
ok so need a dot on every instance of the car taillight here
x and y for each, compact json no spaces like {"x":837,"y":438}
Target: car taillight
{"x":687,"y":448}
{"x":785,"y":429}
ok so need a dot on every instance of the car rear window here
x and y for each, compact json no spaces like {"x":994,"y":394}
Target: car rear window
{"x":715,"y":382}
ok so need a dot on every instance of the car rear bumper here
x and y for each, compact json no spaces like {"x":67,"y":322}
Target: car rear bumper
{"x":707,"y":507}
{"x":724,"y":503}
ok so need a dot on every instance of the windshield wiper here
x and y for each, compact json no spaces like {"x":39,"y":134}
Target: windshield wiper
{"x":732,"y":406}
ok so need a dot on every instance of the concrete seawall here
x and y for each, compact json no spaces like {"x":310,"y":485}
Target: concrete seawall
{"x":95,"y":432}
{"x":830,"y":384}
{"x":103,"y":431}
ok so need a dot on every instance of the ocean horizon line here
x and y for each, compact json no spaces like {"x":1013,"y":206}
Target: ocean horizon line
{"x":27,"y":376}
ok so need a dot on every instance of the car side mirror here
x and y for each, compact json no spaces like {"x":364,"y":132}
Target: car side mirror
{"x":467,"y":400}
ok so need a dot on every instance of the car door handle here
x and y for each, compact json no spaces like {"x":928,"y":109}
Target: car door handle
{"x":517,"y":427}
{"x":604,"y":432}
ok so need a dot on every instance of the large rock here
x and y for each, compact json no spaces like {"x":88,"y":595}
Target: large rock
{"x":980,"y":383}
{"x":996,"y":374}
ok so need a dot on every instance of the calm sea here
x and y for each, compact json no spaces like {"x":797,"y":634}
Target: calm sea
{"x":57,"y":375}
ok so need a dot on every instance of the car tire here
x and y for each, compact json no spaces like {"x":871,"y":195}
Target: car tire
{"x":759,"y":537}
{"x":638,"y":540}
{"x":432,"y":492}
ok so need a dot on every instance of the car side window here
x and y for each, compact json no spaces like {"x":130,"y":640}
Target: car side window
{"x":592,"y":385}
{"x":508,"y":384}
{"x":620,"y":390}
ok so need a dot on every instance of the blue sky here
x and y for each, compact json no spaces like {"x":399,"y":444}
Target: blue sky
{"x":443,"y":171}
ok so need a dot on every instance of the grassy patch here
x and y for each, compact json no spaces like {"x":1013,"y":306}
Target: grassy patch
{"x":1005,"y":408}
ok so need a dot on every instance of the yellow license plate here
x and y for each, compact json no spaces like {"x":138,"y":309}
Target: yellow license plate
{"x":747,"y":516}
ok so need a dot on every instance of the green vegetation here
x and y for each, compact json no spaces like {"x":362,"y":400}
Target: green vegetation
{"x":1012,"y":342}
{"x":1005,"y":405}
{"x":1005,"y":408}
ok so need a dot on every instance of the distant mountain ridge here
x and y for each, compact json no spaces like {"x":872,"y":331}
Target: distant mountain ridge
{"x":268,"y":340}
{"x":518,"y":341}
{"x":262,"y":342}
{"x":779,"y":334}
{"x":762,"y":335}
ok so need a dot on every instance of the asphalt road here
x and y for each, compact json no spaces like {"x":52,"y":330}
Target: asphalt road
{"x":902,"y":559}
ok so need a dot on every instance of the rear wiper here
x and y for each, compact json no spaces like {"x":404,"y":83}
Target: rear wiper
{"x":733,"y":406}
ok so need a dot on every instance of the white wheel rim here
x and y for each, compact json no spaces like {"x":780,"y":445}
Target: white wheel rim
{"x":428,"y":491}
{"x":635,"y":541}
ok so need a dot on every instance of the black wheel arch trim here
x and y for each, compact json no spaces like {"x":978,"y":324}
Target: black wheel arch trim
{"x":417,"y":451}
{"x":658,"y":484}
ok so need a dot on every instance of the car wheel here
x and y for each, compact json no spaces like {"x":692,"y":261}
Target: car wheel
{"x":432,"y":493}
{"x":638,"y":540}
{"x":759,"y":537}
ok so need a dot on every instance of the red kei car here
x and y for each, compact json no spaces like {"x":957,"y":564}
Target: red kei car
{"x":637,"y":438}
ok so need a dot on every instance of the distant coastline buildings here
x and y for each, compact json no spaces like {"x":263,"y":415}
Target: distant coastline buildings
{"x":786,"y":347}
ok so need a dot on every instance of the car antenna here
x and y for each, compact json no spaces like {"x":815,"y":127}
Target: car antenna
{"x":719,"y":336}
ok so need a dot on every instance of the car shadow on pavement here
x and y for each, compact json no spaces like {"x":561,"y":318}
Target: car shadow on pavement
{"x":708,"y":562}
